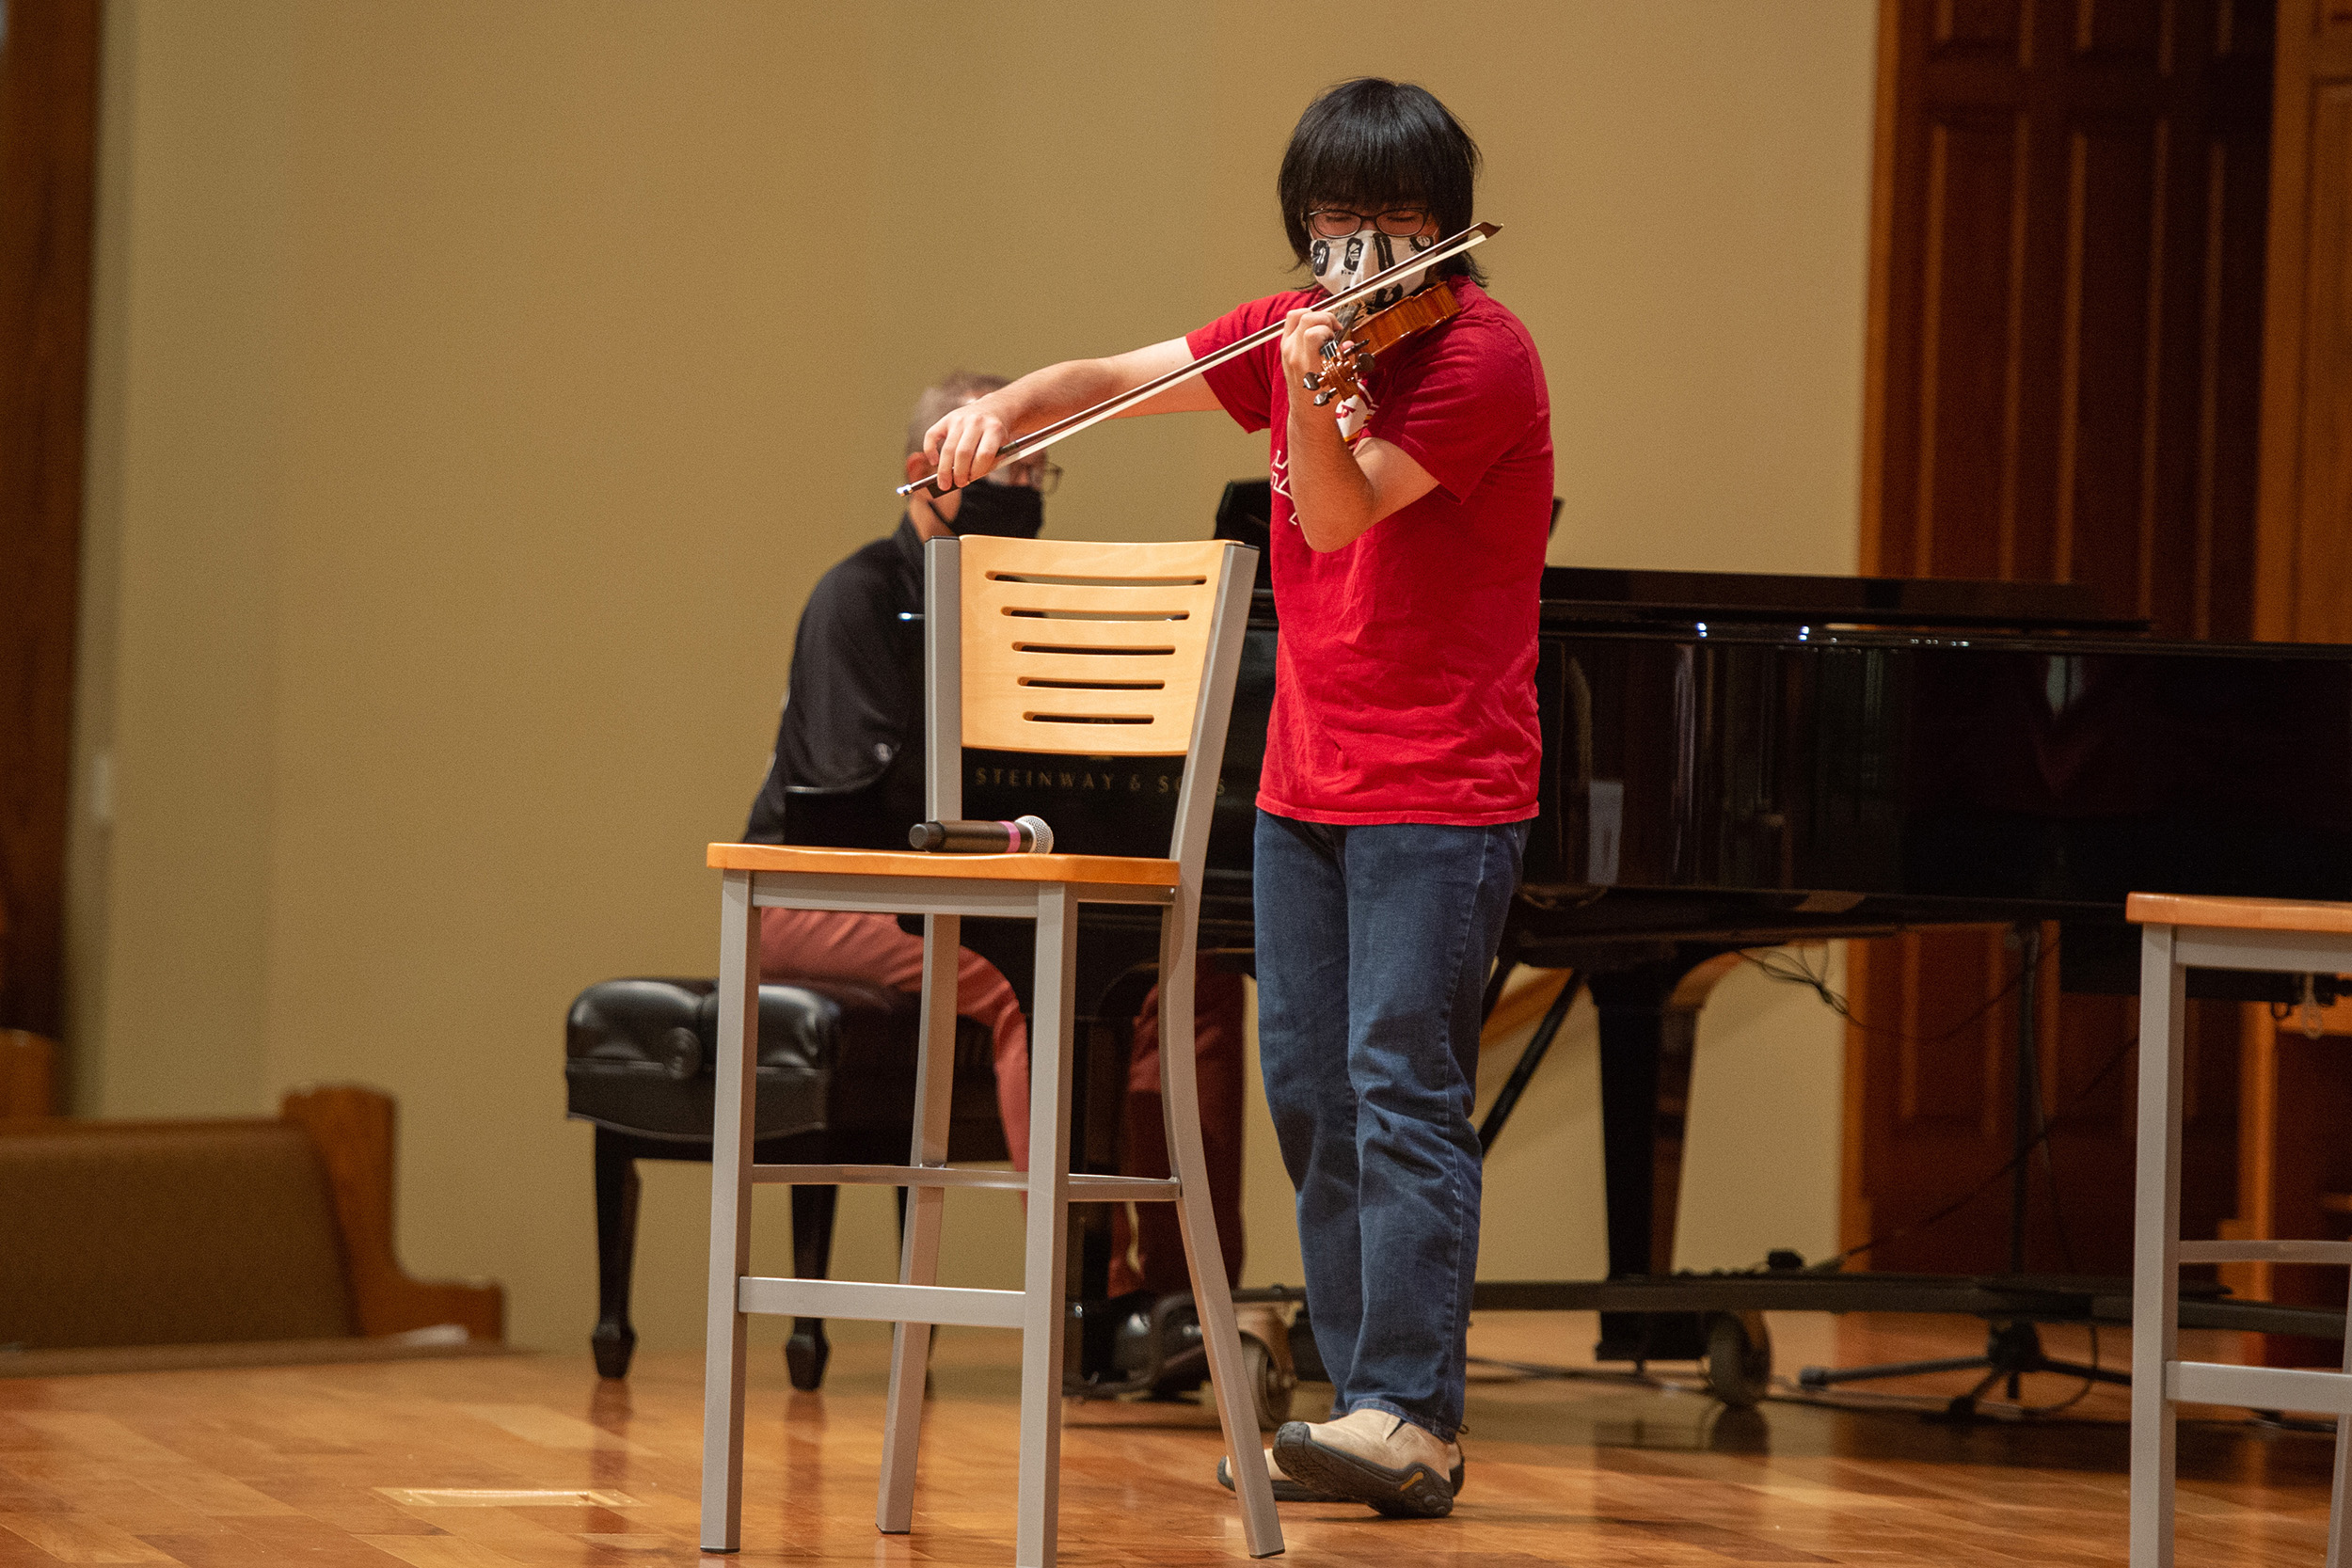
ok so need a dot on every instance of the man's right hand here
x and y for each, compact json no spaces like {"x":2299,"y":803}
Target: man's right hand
{"x":962,"y":446}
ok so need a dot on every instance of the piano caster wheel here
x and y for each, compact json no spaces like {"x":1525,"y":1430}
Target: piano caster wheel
{"x":1738,"y":1359}
{"x":805,"y":1353}
{"x":1269,"y":1384}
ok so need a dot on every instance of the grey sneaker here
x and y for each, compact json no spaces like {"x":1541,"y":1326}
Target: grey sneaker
{"x":1285,"y":1489}
{"x":1371,"y":1457}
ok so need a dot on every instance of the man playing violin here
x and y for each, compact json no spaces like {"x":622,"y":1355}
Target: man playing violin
{"x":1402,"y":753}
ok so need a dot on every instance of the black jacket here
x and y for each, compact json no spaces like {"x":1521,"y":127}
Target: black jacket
{"x":848,"y":770}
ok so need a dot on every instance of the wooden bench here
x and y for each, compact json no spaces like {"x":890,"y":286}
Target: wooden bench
{"x":218,"y":1242}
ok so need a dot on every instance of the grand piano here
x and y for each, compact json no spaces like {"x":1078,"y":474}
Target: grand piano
{"x":1734,"y":761}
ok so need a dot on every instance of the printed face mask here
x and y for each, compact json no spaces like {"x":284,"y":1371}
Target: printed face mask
{"x":1341,"y":264}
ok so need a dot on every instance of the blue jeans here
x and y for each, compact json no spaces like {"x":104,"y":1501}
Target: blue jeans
{"x":1373,"y":944}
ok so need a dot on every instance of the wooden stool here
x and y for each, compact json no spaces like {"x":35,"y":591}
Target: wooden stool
{"x":2180,"y":934}
{"x":1052,"y":647}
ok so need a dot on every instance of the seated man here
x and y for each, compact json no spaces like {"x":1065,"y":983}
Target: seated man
{"x":847,"y":771}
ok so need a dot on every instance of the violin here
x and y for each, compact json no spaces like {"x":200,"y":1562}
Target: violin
{"x":1445,"y":250}
{"x":1347,"y":361}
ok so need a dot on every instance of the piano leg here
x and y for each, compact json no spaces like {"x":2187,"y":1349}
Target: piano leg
{"x":1648,"y":1018}
{"x":1096,"y":1097}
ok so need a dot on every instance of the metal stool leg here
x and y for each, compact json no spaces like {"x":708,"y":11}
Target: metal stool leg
{"x":2339,"y":1519}
{"x":730,"y":1216}
{"x":1047,"y":1242}
{"x":2155,"y":1248}
{"x":1229,"y":1378}
{"x":918,"y":1241}
{"x":2339,"y":1526}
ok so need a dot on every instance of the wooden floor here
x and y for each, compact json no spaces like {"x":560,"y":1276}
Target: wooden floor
{"x":370,"y":1465}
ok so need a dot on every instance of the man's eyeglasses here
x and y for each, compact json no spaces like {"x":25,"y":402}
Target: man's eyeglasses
{"x":1337,"y":223}
{"x":1037,"y":473}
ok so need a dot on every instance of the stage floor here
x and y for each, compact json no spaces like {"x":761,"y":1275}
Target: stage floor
{"x":352,"y":1466}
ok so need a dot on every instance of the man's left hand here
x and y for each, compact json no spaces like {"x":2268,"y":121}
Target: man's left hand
{"x":1304,"y":333}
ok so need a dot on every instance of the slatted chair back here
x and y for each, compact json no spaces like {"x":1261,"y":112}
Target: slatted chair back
{"x":1071,"y":648}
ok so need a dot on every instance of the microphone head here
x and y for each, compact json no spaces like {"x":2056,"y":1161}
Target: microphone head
{"x":1038,"y":832}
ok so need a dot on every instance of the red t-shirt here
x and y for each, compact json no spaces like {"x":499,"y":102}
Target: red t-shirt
{"x":1405,"y":688}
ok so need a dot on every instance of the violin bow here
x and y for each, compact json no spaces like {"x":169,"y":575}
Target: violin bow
{"x":1039,"y":439}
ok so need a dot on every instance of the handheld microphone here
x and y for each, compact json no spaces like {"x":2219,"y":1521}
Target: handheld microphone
{"x":1023,"y":835}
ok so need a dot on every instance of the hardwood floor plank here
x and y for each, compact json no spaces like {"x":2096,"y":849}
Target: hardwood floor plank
{"x":278,"y":1540}
{"x":442,"y":1552}
{"x":78,"y":1538}
{"x":115,"y":1495}
{"x":551,"y":1429}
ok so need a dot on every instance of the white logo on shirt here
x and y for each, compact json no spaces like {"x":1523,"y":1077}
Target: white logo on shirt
{"x":1278,"y":471}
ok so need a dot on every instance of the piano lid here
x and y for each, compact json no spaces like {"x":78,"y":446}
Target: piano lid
{"x":1580,"y":595}
{"x":1596,"y":593}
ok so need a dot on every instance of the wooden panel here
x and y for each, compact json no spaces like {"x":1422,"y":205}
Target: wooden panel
{"x":1948,"y":1076}
{"x":1979,"y":23}
{"x":1127,"y":683}
{"x":2127,"y":28}
{"x":2302,"y":570}
{"x":1910,"y":1168}
{"x":2108,"y":416}
{"x":2216,"y":596}
{"x":2245,"y":28}
{"x":1962,"y":504}
{"x":48,"y":105}
{"x":2322,"y":570}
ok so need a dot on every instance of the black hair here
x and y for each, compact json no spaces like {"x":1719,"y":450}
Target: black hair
{"x":1372,"y":144}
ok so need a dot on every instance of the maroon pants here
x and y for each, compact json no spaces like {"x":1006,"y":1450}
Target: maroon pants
{"x":1148,"y":1255}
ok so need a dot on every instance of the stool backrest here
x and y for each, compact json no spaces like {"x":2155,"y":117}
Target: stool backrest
{"x":1069,"y":648}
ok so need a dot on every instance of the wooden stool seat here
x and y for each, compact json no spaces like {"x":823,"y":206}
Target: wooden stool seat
{"x":1097,"y":870}
{"x":2238,"y":914}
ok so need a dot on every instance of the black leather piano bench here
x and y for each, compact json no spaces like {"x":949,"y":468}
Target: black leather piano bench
{"x":835,"y":1087}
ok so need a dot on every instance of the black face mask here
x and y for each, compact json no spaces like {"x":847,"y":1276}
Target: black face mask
{"x":1001,"y":511}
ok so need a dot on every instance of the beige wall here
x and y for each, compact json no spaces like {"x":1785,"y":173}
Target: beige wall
{"x":480,"y":389}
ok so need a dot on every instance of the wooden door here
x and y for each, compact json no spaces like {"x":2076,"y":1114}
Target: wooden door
{"x":2064,"y":376}
{"x":2294,"y":1166}
{"x":48,"y":109}
{"x":2305,"y":592}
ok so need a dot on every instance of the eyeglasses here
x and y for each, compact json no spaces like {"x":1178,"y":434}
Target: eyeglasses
{"x":1337,"y":223}
{"x":1037,"y":473}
